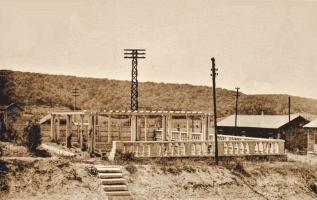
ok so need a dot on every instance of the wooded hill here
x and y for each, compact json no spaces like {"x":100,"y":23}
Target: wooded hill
{"x":54,"y":91}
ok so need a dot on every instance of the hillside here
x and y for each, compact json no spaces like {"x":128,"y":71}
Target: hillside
{"x":53,"y":91}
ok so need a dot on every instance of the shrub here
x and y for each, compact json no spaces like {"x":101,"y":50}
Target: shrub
{"x":131,"y":169}
{"x":32,"y":136}
{"x":4,"y":185}
{"x":313,"y":186}
{"x":128,"y":156}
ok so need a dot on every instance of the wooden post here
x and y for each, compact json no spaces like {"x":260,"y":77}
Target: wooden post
{"x":5,"y":116}
{"x":81,"y":131}
{"x":201,"y":123}
{"x":133,"y":128}
{"x":163,"y":127}
{"x":94,"y":133}
{"x":52,"y":127}
{"x":206,"y":127}
{"x":109,"y":128}
{"x":187,"y":127}
{"x":193,"y":124}
{"x":203,"y":130}
{"x":58,"y":131}
{"x":68,"y":131}
{"x":145,"y":128}
{"x":169,"y":125}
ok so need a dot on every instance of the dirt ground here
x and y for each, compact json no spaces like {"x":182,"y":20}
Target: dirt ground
{"x":254,"y":181}
{"x":56,"y":178}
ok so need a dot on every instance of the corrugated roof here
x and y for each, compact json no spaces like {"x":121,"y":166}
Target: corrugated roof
{"x":312,"y":124}
{"x":257,"y":121}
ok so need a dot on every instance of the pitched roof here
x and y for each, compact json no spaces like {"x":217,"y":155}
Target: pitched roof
{"x":312,"y":124}
{"x":11,"y":105}
{"x":257,"y":121}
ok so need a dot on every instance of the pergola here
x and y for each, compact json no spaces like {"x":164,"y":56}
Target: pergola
{"x":165,"y":116}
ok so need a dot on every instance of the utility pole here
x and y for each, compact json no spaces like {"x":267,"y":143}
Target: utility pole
{"x":134,"y":54}
{"x":236,"y":113}
{"x":75,"y":94}
{"x":289,"y":109}
{"x":214,"y":74}
{"x":289,"y":121}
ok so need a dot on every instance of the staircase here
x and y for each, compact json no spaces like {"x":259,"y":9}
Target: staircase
{"x":113,"y":183}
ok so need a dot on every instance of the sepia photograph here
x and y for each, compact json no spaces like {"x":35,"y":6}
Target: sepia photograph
{"x":158,"y":99}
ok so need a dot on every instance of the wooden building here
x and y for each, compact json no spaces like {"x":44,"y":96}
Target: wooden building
{"x":9,"y":113}
{"x":268,"y":126}
{"x":311,"y":129}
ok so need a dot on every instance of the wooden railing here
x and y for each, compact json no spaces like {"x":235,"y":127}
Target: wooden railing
{"x":200,"y":148}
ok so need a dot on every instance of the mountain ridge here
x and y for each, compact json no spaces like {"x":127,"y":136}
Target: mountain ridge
{"x":54,"y":91}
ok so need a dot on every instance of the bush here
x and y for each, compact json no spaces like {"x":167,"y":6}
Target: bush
{"x":131,"y":169}
{"x":313,"y":186}
{"x":4,"y":185}
{"x":32,"y":136}
{"x":128,"y":156}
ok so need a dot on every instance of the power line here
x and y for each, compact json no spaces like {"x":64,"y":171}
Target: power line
{"x":134,"y":54}
{"x":214,"y":74}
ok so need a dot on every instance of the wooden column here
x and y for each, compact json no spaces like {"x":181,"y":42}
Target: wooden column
{"x":201,"y":123}
{"x":187,"y":127}
{"x":109,"y":129}
{"x":145,"y":128}
{"x":93,"y":139}
{"x":205,"y":120}
{"x":169,"y":125}
{"x":133,"y":127}
{"x":206,"y":127}
{"x":193,"y":124}
{"x":164,"y":128}
{"x":68,"y":131}
{"x":82,"y":131}
{"x":5,"y":116}
{"x":92,"y":131}
{"x":52,"y":127}
{"x":58,"y":131}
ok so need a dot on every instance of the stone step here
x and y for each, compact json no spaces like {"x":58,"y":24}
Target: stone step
{"x":107,"y":166}
{"x":118,"y":193}
{"x":115,"y":188}
{"x":114,"y":181}
{"x":108,"y":170}
{"x":120,"y":198}
{"x":109,"y":175}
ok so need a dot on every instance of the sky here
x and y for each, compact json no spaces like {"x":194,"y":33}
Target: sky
{"x":261,"y":46}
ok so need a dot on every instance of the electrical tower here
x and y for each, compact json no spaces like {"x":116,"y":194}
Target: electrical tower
{"x":134,"y":54}
{"x":214,"y":74}
{"x":236,"y":113}
{"x":75,"y":94}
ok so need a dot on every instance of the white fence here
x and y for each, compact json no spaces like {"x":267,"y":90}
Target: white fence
{"x":200,"y":148}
